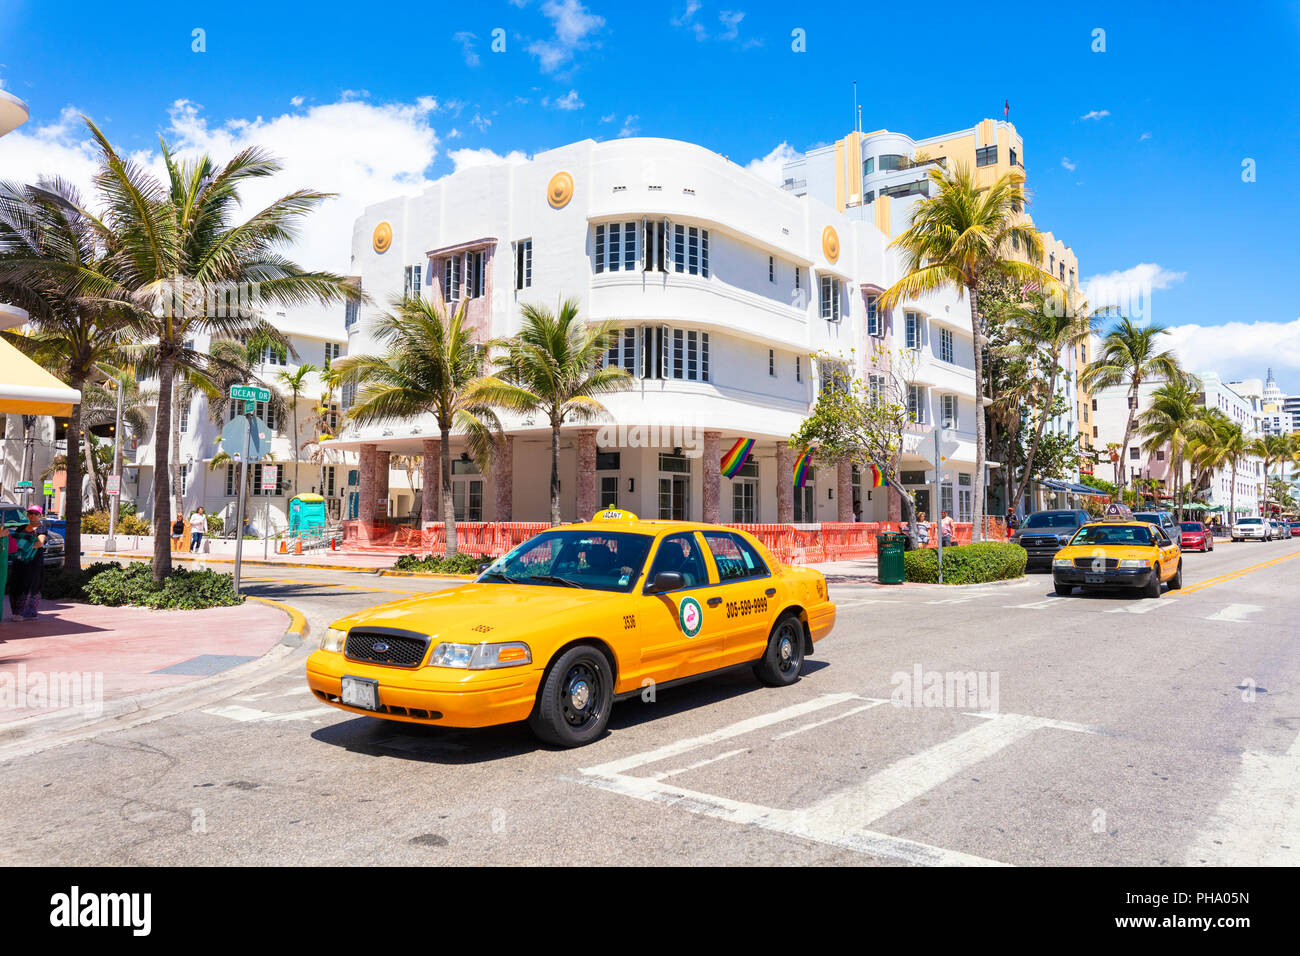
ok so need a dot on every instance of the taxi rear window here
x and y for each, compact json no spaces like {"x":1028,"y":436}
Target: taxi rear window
{"x":1112,"y":534}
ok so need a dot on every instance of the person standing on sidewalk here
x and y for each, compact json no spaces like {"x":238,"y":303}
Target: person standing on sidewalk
{"x":178,"y":529}
{"x":922,"y":531}
{"x":27,"y":566}
{"x":946,"y":529}
{"x":198,"y":528}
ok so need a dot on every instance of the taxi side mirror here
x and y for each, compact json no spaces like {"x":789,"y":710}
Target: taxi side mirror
{"x":665,"y":581}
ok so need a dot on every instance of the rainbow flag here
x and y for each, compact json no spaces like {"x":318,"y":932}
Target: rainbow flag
{"x":801,"y":468}
{"x":877,"y":478}
{"x":732,"y":460}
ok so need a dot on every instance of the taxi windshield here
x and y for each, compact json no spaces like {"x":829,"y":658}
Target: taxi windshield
{"x":1121,"y":534}
{"x":597,"y":560}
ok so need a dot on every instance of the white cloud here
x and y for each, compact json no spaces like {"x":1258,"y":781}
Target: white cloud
{"x":296,"y":101}
{"x":1065,"y":162}
{"x":1130,"y":290}
{"x":1095,"y":115}
{"x":609,"y":117}
{"x":629,"y":127}
{"x":469,"y":158}
{"x":568,"y":102}
{"x":1144,"y":137}
{"x":573,"y":23}
{"x":468,"y":42}
{"x":768,"y":168}
{"x":364,"y":152}
{"x":730,"y":20}
{"x":1237,"y":350}
{"x":687,"y":21}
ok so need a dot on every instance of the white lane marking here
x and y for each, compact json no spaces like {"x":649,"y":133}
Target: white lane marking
{"x":698,"y":764}
{"x":1039,"y":605}
{"x":958,"y":600}
{"x":1235,"y":613}
{"x":875,"y":702}
{"x":860,"y":603}
{"x":1258,"y":822}
{"x":1142,"y":607}
{"x":244,"y":714}
{"x":251,"y":697}
{"x":904,"y":780}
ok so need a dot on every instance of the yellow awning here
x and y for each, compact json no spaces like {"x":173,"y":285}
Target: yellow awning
{"x":27,"y":389}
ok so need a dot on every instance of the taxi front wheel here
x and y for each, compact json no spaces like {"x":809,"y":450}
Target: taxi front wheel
{"x":575,"y":698}
{"x":1153,"y":585}
{"x":783,"y":659}
{"x":1176,"y":582}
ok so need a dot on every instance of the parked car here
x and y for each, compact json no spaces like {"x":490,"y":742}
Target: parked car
{"x":1043,"y":533}
{"x":1294,"y":526}
{"x":1252,"y":529}
{"x":1196,"y":537}
{"x":1281,"y":529}
{"x":1161,"y":519}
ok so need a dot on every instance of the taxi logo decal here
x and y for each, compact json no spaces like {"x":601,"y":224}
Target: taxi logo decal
{"x":691,"y":616}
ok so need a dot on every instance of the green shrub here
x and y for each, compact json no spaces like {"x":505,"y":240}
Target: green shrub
{"x":96,"y":522}
{"x":114,"y":585}
{"x":60,"y":585}
{"x":132,"y":524}
{"x":966,"y":563}
{"x":433,"y":564}
{"x":216,"y":524}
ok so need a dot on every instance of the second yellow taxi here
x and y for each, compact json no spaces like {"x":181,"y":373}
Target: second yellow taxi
{"x":1118,"y":552}
{"x":570,"y":621}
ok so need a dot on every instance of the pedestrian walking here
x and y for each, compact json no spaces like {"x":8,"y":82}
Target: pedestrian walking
{"x":1012,"y":523}
{"x":27,"y":566}
{"x":947,"y":529}
{"x":178,"y":529}
{"x":922,"y":530}
{"x":198,"y":528}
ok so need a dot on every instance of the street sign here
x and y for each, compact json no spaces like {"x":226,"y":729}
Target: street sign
{"x":24,"y":486}
{"x":269,"y":475}
{"x":114,"y":484}
{"x":250,"y":392}
{"x":49,"y":488}
{"x":232,"y":438}
{"x":250,"y":408}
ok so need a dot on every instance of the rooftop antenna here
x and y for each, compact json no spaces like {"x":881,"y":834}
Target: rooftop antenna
{"x":857,"y":117}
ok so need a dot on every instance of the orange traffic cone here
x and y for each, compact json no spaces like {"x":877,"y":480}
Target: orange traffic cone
{"x":297,"y":545}
{"x":283,"y":549}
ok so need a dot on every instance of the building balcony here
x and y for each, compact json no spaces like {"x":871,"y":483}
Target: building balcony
{"x":11,"y":317}
{"x":13,"y":112}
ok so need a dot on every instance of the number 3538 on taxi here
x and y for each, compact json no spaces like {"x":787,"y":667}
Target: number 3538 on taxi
{"x":566,"y":624}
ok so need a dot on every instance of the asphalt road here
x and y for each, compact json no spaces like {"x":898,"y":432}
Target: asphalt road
{"x":1101,"y":730}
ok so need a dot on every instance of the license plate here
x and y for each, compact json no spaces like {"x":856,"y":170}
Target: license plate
{"x":360,"y":692}
{"x":1094,"y":579}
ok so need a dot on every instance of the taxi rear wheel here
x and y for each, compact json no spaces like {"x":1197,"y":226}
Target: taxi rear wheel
{"x":575,"y":698}
{"x":783,"y":659}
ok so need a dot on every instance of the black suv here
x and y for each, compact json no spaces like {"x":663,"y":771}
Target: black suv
{"x":1043,"y":533}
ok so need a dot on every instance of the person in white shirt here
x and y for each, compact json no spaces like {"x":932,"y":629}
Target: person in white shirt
{"x":198,"y":528}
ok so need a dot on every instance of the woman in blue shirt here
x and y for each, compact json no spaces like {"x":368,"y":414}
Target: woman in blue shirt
{"x":27,"y":565}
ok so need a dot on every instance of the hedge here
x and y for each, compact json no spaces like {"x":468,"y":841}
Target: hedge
{"x":96,"y":522}
{"x":430,"y":564}
{"x":114,"y":585}
{"x":966,"y":563}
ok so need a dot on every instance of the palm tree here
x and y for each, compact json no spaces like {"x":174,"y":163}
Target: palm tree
{"x":1043,"y":331}
{"x":957,"y":236}
{"x":296,"y":384}
{"x":48,"y":246}
{"x":179,"y":255}
{"x":1224,"y":446}
{"x":1273,"y":449}
{"x":1173,"y":420}
{"x":1129,"y":356}
{"x":554,"y":367}
{"x":431,"y":366}
{"x":321,"y":424}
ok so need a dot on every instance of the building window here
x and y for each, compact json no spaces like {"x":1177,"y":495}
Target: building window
{"x":950,"y":411}
{"x":350,"y":312}
{"x":232,"y":489}
{"x":524,"y":264}
{"x":332,"y":351}
{"x":411,"y":282}
{"x":1094,"y":404}
{"x":771,"y":268}
{"x":797,"y":277}
{"x":451,"y":278}
{"x":622,"y":352}
{"x":744,"y":494}
{"x":327,"y":489}
{"x":1160,"y":454}
{"x":916,"y":403}
{"x":1135,"y":453}
{"x":771,"y":362}
{"x":798,"y":368}
{"x":185,"y":478}
{"x":913,"y":330}
{"x":1051,"y":262}
{"x":348,"y":395}
{"x":1015,"y":159}
{"x":892,"y":161}
{"x":986,"y":156}
{"x":874,"y":325}
{"x":473,"y":274}
{"x":185,"y":417}
{"x":1062,"y":267}
{"x":609,"y":491}
{"x":262,"y":410}
{"x":875,"y":386}
{"x":257,"y":482}
{"x":945,"y":346}
{"x":275,"y":355}
{"x":965,"y":497}
{"x":691,"y":250}
{"x":684,"y":354}
{"x":868,"y":166}
{"x":830,"y":298}
{"x":332,"y":418}
{"x":919,"y":188}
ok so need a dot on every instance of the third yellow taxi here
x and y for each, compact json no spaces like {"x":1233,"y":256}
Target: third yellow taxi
{"x":581,"y":615}
{"x":1119,"y":552}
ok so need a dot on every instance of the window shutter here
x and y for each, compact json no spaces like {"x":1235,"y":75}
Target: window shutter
{"x":669,"y":258}
{"x":666,"y":356}
{"x":643,"y":252}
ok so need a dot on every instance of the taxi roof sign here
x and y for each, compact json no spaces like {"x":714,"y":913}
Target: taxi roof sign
{"x":1118,"y":510}
{"x":614,"y":514}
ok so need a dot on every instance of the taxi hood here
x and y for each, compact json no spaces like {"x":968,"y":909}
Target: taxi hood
{"x":473,"y":613}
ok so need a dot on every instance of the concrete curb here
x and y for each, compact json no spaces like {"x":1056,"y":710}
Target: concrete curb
{"x":297,"y":630}
{"x":244,"y":561}
{"x":426,"y":574}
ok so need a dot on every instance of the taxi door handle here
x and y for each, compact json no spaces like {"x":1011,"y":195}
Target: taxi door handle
{"x":714,"y":601}
{"x":770,"y":591}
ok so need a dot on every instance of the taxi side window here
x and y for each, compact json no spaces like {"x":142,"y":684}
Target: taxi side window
{"x":735,"y":557}
{"x":1164,"y":538}
{"x":681,"y":553}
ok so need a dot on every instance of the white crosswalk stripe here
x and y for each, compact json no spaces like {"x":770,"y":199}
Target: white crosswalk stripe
{"x":1235,"y":613}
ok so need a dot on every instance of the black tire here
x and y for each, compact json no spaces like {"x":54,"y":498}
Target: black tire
{"x":1176,"y":582}
{"x":575,"y":698}
{"x":781,"y":662}
{"x":1153,"y":586}
{"x":1064,"y":590}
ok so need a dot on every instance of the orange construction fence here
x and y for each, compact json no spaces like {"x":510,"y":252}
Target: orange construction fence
{"x":808,"y":544}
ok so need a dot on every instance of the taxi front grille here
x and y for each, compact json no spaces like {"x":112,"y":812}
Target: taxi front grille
{"x":1093,"y":564}
{"x":379,"y":647}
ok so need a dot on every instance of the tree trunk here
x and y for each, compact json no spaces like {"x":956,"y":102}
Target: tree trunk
{"x":555,"y":472}
{"x":1122,"y":468}
{"x":162,"y":555}
{"x":977,"y":515}
{"x":72,"y":487}
{"x":294,"y":439}
{"x":1232,"y":498}
{"x":448,"y":507}
{"x":175,"y":469}
{"x":1038,"y":437}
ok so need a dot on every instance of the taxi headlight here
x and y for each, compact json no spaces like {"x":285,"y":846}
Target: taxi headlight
{"x":477,"y":657}
{"x":1062,"y":562}
{"x":333,"y":640}
{"x":1135,"y":563}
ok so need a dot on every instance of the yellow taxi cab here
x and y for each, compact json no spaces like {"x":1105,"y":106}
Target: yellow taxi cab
{"x":1119,"y":552}
{"x":570,"y":621}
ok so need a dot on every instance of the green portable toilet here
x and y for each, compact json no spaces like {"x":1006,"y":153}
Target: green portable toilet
{"x":306,"y":514}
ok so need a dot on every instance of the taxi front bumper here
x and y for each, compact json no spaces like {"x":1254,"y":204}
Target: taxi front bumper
{"x":1113,"y":578}
{"x":441,"y":696}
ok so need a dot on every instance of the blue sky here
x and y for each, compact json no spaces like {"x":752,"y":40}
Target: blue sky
{"x":1177,"y":103}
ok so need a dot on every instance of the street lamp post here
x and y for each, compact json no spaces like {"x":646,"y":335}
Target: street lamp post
{"x":111,"y":543}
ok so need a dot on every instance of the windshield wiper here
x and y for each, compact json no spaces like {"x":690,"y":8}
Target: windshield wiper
{"x":554,"y":578}
{"x":504,"y":577}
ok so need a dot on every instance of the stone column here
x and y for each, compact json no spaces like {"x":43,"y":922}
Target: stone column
{"x":383,"y":461}
{"x":895,"y":506}
{"x":431,"y":493}
{"x":586,"y":503}
{"x":844,"y":482}
{"x":784,"y":483}
{"x":712,"y":477}
{"x":503,"y":471}
{"x":366,"y":494}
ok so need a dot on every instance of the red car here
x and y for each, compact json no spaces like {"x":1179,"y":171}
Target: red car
{"x":1196,"y":537}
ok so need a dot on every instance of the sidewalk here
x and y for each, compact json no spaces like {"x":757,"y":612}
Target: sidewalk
{"x":82,"y":656}
{"x":328,"y":560}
